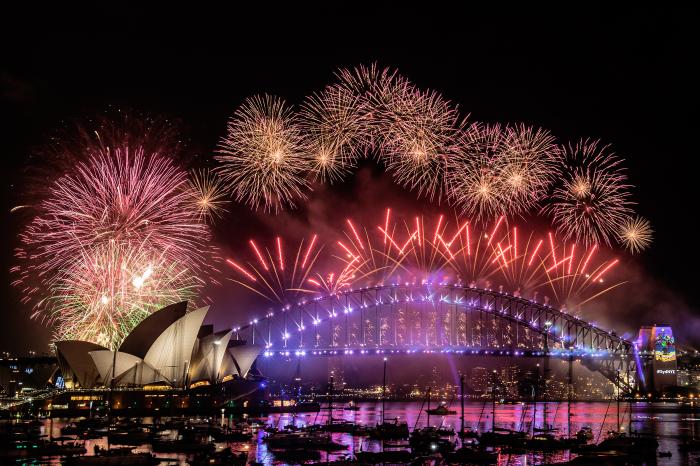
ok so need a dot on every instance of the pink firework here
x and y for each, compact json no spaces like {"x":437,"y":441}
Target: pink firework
{"x":123,"y":200}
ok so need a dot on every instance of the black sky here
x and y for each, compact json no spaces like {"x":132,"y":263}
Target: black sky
{"x":626,"y":76}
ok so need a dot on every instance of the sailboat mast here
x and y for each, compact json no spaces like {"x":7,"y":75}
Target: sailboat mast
{"x":618,"y":401}
{"x":383,"y":391}
{"x":427,"y":411}
{"x":330,"y":401}
{"x":493,"y":402}
{"x":569,"y":395}
{"x":461,"y":398}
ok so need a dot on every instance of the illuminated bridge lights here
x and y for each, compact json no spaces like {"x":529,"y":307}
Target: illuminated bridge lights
{"x":457,"y":351}
{"x":444,"y":319}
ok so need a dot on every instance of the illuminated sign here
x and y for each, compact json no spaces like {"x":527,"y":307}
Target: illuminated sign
{"x":664,"y":344}
{"x":665,"y":371}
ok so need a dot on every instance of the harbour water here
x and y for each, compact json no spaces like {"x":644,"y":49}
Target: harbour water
{"x":670,"y":422}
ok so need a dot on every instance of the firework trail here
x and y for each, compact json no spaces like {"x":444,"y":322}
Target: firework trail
{"x":263,"y":156}
{"x":120,"y":211}
{"x":278,"y":275}
{"x":208,"y":197}
{"x":636,"y":234}
{"x":591,"y":202}
{"x":498,"y":256}
{"x":372,"y":255}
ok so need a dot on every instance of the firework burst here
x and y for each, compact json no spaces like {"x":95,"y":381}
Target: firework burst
{"x":591,"y":201}
{"x":378,"y":90}
{"x":335,"y":131}
{"x":636,"y":234}
{"x":207,"y":195}
{"x":420,"y":134}
{"x":270,"y":155}
{"x":526,"y":164}
{"x":474,"y":180}
{"x":103,"y":225}
{"x":263,"y":156}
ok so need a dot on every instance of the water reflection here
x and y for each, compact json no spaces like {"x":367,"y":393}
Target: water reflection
{"x":669,"y":421}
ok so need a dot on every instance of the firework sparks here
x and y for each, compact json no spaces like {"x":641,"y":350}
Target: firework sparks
{"x":526,"y":165}
{"x":334,"y":128}
{"x":475,"y":185}
{"x":208,"y":196}
{"x":420,"y":131}
{"x":333,"y":283}
{"x":636,"y":234}
{"x":592,"y":200}
{"x":263,"y":156}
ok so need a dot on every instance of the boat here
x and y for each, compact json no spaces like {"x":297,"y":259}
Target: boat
{"x":129,"y":437}
{"x":545,"y":442}
{"x":296,"y":455}
{"x":40,"y":448}
{"x":464,"y":432}
{"x":230,"y":435}
{"x":309,"y":440}
{"x":223,"y":457}
{"x":429,"y":440}
{"x":636,"y":445}
{"x":585,"y":433}
{"x":181,"y":446}
{"x":441,"y":410}
{"x":468,"y":433}
{"x":390,"y":431}
{"x":339,"y":425}
{"x":351,"y":406}
{"x":113,"y":458}
{"x":387,"y":456}
{"x":72,"y":429}
{"x":466,"y":455}
{"x":503,"y":437}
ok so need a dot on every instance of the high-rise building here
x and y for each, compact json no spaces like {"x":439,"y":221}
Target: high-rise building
{"x":509,"y":381}
{"x":479,"y":380}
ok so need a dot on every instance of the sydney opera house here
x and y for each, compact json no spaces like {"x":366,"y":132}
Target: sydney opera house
{"x":170,"y":349}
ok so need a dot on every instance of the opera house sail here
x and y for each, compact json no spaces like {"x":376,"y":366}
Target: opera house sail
{"x":170,"y":348}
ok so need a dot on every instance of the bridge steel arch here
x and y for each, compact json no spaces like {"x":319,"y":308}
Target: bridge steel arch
{"x":439,"y":318}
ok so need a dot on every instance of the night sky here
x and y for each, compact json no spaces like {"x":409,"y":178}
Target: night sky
{"x":625,"y":76}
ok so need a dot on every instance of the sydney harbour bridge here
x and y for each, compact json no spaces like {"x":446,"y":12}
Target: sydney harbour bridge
{"x":439,"y":318}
